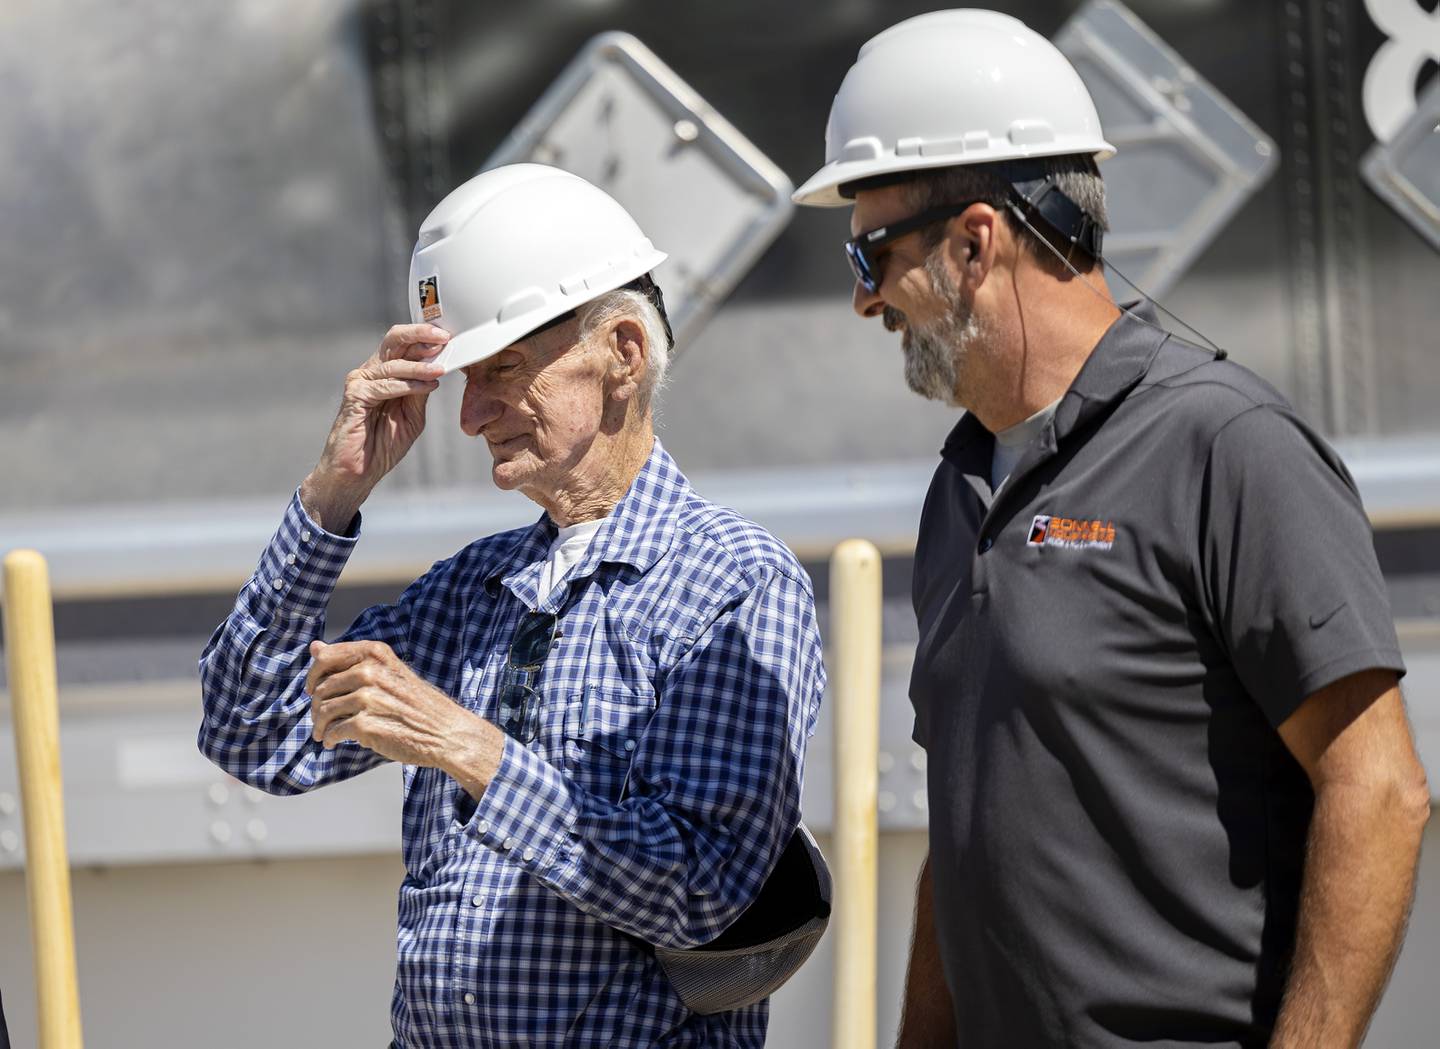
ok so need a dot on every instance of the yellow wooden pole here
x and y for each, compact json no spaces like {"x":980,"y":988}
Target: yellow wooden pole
{"x":30,"y":659}
{"x":855,"y":691}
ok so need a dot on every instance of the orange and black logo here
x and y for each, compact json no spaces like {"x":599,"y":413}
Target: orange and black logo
{"x":430,"y":298}
{"x":1072,"y":533}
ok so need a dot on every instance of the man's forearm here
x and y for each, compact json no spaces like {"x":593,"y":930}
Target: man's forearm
{"x":1359,"y":882}
{"x":928,"y":1020}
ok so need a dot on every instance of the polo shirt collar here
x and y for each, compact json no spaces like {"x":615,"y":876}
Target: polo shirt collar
{"x":637,"y":532}
{"x":971,"y":448}
{"x":1115,"y":366}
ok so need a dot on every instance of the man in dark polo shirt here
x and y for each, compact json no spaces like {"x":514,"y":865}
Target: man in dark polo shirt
{"x":1174,"y":797}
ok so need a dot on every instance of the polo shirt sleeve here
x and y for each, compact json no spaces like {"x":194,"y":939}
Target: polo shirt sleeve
{"x":1291,"y":585}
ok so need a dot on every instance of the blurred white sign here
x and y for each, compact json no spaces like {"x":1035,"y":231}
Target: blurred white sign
{"x":620,"y":118}
{"x":1405,"y":171}
{"x":1186,"y":158}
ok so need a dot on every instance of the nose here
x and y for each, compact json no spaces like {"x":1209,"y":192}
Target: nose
{"x":866,"y":303}
{"x":478,"y":407}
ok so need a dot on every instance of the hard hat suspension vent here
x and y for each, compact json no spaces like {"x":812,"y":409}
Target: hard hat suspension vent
{"x":645,"y":285}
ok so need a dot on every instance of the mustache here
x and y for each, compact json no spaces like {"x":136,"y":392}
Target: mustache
{"x":893,"y":319}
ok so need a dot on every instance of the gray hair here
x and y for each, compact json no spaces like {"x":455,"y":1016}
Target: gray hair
{"x":600,"y":313}
{"x":1075,"y":174}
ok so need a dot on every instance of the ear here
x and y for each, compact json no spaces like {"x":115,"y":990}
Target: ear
{"x":629,"y":353}
{"x":977,"y":243}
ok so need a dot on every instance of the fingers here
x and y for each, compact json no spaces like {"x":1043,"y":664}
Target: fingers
{"x":339,"y":683}
{"x":327,"y":660}
{"x":412,"y":341}
{"x":343,"y":730}
{"x":403,"y":369}
{"x":360,"y":691}
{"x":349,"y":679}
{"x":377,"y":391}
{"x":374,"y":383}
{"x":330,"y":717}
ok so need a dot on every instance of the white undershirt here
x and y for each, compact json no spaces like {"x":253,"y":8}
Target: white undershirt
{"x":566,"y":552}
{"x":1010,"y":444}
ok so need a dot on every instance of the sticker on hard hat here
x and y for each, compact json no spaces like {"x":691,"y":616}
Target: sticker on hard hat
{"x":430,"y":298}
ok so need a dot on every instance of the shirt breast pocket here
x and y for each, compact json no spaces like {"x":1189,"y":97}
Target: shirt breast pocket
{"x":603,"y":731}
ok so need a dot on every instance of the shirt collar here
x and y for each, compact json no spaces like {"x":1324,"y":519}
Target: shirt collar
{"x":1115,"y":366}
{"x":637,"y":532}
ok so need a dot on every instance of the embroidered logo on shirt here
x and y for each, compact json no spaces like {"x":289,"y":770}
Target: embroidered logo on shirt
{"x":1071,"y":533}
{"x":430,"y":298}
{"x":1316,"y":622}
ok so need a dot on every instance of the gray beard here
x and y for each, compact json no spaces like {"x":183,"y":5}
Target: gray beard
{"x":936,"y":354}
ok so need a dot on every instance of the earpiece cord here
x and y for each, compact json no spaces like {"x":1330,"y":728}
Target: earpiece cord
{"x":1019,"y":213}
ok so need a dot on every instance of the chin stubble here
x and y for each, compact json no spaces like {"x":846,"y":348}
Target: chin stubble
{"x":936,"y":354}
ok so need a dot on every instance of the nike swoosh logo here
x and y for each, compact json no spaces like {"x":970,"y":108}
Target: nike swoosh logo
{"x":1316,"y":622}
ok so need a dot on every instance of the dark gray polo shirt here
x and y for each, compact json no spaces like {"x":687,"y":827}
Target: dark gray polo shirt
{"x":1116,"y":828}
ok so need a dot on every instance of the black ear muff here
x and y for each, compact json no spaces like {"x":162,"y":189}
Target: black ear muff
{"x":1034,"y":195}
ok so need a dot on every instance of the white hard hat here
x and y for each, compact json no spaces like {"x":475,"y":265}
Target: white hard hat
{"x":953,"y":87}
{"x":515,"y":247}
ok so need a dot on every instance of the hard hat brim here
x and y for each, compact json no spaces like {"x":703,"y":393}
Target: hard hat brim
{"x":476,"y":344}
{"x":822,"y":189}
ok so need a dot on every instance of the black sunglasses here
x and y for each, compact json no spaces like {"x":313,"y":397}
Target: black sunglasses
{"x":519,"y":702}
{"x":861,"y":250}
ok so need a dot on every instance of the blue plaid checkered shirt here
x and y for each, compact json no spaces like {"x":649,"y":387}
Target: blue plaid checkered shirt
{"x":676,"y":704}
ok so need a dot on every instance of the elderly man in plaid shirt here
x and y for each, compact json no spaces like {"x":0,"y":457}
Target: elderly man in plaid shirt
{"x":602,"y":717}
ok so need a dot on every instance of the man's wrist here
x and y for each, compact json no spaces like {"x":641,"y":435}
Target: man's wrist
{"x":474,"y":756}
{"x":330,"y":504}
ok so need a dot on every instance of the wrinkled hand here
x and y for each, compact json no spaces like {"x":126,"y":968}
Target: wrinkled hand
{"x":360,"y":691}
{"x":382,"y":413}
